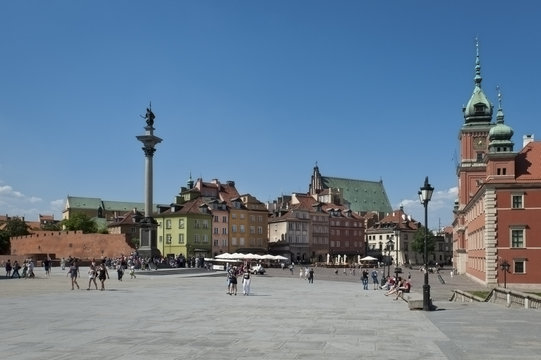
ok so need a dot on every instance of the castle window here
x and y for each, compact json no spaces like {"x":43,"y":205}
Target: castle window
{"x":517,"y":201}
{"x":479,"y":108}
{"x":519,"y":266}
{"x":517,"y":238}
{"x":168,"y":224}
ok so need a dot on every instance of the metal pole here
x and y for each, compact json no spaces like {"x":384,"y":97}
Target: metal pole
{"x":426,"y":286}
{"x":396,"y":248}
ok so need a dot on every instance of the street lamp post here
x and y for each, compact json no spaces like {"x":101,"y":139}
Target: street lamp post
{"x":505,"y":268}
{"x":425,"y":194}
{"x":398,"y":243}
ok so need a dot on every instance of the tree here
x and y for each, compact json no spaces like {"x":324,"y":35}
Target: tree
{"x":80,"y":221}
{"x":14,"y":227}
{"x":52,"y":226}
{"x":4,"y":242}
{"x":418,"y":244}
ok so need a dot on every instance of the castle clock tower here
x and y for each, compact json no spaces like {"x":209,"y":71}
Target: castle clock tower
{"x":474,"y":138}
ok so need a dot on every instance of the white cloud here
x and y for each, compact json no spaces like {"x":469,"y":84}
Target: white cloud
{"x":7,"y":191}
{"x":57,"y":205}
{"x":440,"y":208}
{"x":16,"y":203}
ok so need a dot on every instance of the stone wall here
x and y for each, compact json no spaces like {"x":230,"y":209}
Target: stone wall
{"x":61,"y":244}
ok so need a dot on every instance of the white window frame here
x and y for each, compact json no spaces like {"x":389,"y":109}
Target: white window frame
{"x":514,"y":229}
{"x":517,"y":195}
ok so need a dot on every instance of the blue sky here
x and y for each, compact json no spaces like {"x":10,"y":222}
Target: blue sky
{"x":252,"y":91}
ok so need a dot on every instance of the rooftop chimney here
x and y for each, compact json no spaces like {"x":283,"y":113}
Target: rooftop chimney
{"x":526,"y":139}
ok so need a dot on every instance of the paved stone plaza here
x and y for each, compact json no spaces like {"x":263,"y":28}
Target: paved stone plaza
{"x":186,"y":314}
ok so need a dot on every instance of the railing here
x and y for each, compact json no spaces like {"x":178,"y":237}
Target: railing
{"x":515,"y":298}
{"x":463,"y":296}
{"x":511,"y":298}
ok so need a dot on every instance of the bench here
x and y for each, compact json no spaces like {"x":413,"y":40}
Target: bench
{"x":414,"y":300}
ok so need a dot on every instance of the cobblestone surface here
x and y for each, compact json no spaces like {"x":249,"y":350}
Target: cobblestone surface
{"x":186,"y":314}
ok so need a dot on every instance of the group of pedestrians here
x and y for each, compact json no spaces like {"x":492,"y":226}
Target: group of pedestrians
{"x":232,"y":274}
{"x":307,"y":274}
{"x":398,"y":287}
{"x":98,"y":271}
{"x":12,"y":270}
{"x":392,"y":285}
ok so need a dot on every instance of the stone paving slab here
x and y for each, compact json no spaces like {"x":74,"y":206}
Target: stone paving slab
{"x":189,"y":316}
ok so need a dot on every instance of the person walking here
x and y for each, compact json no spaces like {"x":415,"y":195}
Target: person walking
{"x":233,"y":281}
{"x":375,"y":278}
{"x":31,"y":274}
{"x":311,"y":276}
{"x":8,"y":268}
{"x":73,"y":272}
{"x":364,"y":279}
{"x":25,"y":269}
{"x":120,"y":271}
{"x":103,"y":274}
{"x":47,"y":266}
{"x":132,"y":272}
{"x":92,"y":274}
{"x":246,"y":281}
{"x":16,"y":268}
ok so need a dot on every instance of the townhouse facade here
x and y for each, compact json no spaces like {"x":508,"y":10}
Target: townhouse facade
{"x":307,"y":230}
{"x":210,"y":218}
{"x":185,"y":227}
{"x":390,"y":239}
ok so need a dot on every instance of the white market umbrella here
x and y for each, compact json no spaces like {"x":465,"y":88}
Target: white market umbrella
{"x":368,"y":258}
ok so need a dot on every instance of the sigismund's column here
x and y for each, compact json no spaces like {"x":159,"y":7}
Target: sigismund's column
{"x":147,"y":230}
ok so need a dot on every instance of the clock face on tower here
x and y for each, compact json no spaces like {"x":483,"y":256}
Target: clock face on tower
{"x":479,"y":142}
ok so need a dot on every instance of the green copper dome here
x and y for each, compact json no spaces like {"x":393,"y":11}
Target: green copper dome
{"x":479,"y":108}
{"x":500,"y":131}
{"x":500,"y":135}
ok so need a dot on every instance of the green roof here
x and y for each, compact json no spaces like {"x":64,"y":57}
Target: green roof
{"x":75,"y":202}
{"x":363,"y":196}
{"x":83,"y":202}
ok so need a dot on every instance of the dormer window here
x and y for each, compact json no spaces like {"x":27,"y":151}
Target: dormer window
{"x":479,"y":108}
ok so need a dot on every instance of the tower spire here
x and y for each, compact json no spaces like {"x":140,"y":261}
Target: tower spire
{"x":479,"y":108}
{"x":499,"y":116}
{"x":478,"y":78}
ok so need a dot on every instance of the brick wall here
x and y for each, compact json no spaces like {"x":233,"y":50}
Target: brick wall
{"x":70,"y":243}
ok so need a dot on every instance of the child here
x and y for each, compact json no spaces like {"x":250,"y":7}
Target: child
{"x":132,"y":272}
